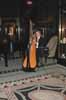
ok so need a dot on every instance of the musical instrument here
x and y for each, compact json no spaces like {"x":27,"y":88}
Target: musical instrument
{"x":30,"y":59}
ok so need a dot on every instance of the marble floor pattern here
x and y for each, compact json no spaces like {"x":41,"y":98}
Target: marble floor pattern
{"x":47,"y":83}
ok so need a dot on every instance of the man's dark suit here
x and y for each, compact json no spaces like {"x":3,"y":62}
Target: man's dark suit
{"x":39,"y":50}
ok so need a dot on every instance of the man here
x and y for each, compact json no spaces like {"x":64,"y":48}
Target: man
{"x":5,"y":49}
{"x":11,"y":39}
{"x":39,"y":46}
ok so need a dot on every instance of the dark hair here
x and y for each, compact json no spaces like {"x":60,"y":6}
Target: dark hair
{"x":37,"y":30}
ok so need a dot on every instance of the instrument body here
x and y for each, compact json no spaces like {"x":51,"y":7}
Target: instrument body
{"x":30,"y":61}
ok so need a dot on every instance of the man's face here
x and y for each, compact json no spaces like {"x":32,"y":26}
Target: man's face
{"x":38,"y":34}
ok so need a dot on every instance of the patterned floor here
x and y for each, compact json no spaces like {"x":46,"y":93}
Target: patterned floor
{"x":40,"y":87}
{"x":47,"y":83}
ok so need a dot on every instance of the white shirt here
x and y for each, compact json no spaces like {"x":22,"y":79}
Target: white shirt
{"x":37,"y":43}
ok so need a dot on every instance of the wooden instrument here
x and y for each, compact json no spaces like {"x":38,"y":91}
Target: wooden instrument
{"x":30,"y":59}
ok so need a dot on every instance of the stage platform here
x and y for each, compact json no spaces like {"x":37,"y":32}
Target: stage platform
{"x":14,"y":70}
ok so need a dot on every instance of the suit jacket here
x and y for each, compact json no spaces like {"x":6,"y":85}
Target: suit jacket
{"x":40,"y":47}
{"x":41,"y":42}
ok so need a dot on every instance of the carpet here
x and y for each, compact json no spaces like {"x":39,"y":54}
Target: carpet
{"x":42,"y":87}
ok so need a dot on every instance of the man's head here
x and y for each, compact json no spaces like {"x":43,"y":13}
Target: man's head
{"x":38,"y":33}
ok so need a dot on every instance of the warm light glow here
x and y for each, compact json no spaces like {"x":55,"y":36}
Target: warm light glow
{"x":61,"y":30}
{"x":29,"y":2}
